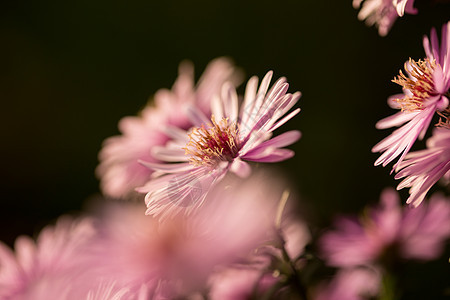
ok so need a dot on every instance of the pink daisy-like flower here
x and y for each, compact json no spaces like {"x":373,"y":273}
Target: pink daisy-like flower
{"x":412,"y":233}
{"x":51,"y":268}
{"x":221,"y":143}
{"x":424,"y":168}
{"x":119,"y":170}
{"x":383,"y":13}
{"x":425,"y":92}
{"x":176,"y":257}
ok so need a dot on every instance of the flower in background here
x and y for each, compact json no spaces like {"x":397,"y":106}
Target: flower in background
{"x":176,"y":257}
{"x":351,"y":284}
{"x":425,"y":92}
{"x":119,"y":170}
{"x":383,"y":13}
{"x":272,"y":270}
{"x":389,"y":229}
{"x":424,"y":168}
{"x":51,"y":268}
{"x":220,"y":143}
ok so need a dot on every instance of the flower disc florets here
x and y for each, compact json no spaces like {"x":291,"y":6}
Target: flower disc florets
{"x":420,"y":84}
{"x":209,"y":146}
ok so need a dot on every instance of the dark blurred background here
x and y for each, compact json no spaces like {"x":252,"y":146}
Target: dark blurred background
{"x":69,"y":70}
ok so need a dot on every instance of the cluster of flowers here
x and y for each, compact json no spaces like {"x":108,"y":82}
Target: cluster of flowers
{"x":214,"y":226}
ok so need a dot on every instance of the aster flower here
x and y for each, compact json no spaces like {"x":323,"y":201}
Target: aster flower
{"x":119,"y":170}
{"x":425,"y":93}
{"x":424,"y":168}
{"x":383,"y":13}
{"x":50,"y":268}
{"x":175,"y":258}
{"x":220,"y":143}
{"x":389,"y":229}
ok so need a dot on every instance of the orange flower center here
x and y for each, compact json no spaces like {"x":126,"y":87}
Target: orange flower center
{"x":419,"y":83}
{"x":209,"y":146}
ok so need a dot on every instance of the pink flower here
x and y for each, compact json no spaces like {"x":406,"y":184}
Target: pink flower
{"x":425,"y":93}
{"x":351,"y":284}
{"x":51,"y":268}
{"x":206,"y":152}
{"x":423,"y":169}
{"x":176,"y":257}
{"x":119,"y":170}
{"x":383,"y":13}
{"x":417,"y":233}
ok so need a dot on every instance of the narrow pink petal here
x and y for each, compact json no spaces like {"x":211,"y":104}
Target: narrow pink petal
{"x":197,"y":117}
{"x":169,"y":168}
{"x":217,"y":108}
{"x":445,"y":47}
{"x":249,"y":99}
{"x":175,"y":133}
{"x":230,"y":102}
{"x":395,"y":120}
{"x":284,"y":120}
{"x":169,"y":155}
{"x":279,"y":141}
{"x":435,"y":45}
{"x":275,"y":156}
{"x":25,"y":252}
{"x":438,"y":79}
{"x":427,"y":47}
{"x":394,"y":104}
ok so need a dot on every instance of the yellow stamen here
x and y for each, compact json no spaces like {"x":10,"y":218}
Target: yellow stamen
{"x":218,"y":142}
{"x":421,"y":84}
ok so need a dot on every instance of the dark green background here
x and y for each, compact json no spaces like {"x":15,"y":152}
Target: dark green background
{"x":69,"y":70}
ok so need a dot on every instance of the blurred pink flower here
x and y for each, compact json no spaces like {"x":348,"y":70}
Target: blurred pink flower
{"x":49,"y":268}
{"x":119,"y":170}
{"x":351,"y":284}
{"x":425,"y":93}
{"x":254,"y":278}
{"x":413,"y":233}
{"x":176,"y":257}
{"x":210,"y":149}
{"x":383,"y":13}
{"x":424,"y":168}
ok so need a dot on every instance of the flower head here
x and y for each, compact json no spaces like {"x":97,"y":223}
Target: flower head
{"x":50,"y":268}
{"x":220,"y":143}
{"x":425,"y":92}
{"x":383,"y":13}
{"x":176,"y":257}
{"x":387,"y":230}
{"x":119,"y":169}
